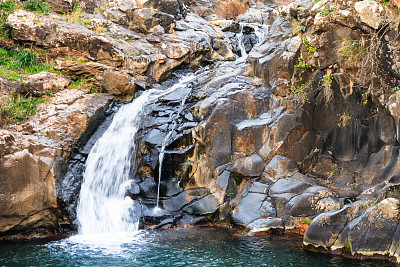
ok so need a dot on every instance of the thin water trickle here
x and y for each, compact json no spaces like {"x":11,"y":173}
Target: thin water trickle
{"x":173,"y":117}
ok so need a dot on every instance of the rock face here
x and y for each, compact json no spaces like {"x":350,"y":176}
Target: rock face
{"x":31,"y":164}
{"x":305,"y":130}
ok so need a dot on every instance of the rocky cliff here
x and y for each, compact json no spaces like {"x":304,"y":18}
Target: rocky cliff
{"x":302,"y":131}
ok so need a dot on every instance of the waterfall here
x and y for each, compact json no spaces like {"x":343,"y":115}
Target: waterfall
{"x":239,"y":37}
{"x":102,"y":205}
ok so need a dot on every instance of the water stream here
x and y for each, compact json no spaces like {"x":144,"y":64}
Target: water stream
{"x":103,"y":206}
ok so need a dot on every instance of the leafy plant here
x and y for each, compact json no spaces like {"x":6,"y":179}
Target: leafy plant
{"x":343,"y":119}
{"x":324,"y":12}
{"x":327,"y":80}
{"x":36,"y":6}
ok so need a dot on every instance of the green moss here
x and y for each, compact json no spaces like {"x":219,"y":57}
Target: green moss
{"x":347,"y":246}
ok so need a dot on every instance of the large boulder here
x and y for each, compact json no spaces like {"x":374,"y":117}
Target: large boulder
{"x":44,"y":82}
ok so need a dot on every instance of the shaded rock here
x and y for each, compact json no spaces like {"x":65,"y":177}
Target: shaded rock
{"x":264,"y":225}
{"x":288,"y":185}
{"x":280,"y":167}
{"x":148,"y":188}
{"x":324,"y":230}
{"x":172,"y":187}
{"x":250,"y":166}
{"x":177,"y":202}
{"x":42,"y":82}
{"x":84,"y":70}
{"x":60,"y":6}
{"x":252,"y":207}
{"x":176,"y":8}
{"x":188,"y":220}
{"x":373,"y":231}
{"x":7,"y":87}
{"x":206,"y":205}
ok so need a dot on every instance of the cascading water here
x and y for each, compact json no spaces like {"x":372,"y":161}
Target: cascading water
{"x":259,"y":30}
{"x":102,"y":206}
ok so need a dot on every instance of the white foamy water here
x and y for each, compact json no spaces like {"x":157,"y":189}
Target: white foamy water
{"x":102,"y":206}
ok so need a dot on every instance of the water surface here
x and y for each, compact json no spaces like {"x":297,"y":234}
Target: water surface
{"x":176,"y":247}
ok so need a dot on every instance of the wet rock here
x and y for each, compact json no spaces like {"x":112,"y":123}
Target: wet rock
{"x":188,"y":220}
{"x":44,"y":82}
{"x":264,"y":225}
{"x":133,"y":190}
{"x":172,"y":187}
{"x":206,"y":205}
{"x":148,"y":188}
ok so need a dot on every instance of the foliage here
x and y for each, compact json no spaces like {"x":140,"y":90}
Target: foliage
{"x":302,"y":64}
{"x":230,"y":9}
{"x":344,"y":119}
{"x":310,"y":49}
{"x":351,"y":50}
{"x":76,"y":16}
{"x":297,"y":94}
{"x":36,"y":6}
{"x":327,"y":80}
{"x":17,"y":109}
{"x":347,"y":246}
{"x":14,"y":63}
{"x":6,"y":8}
